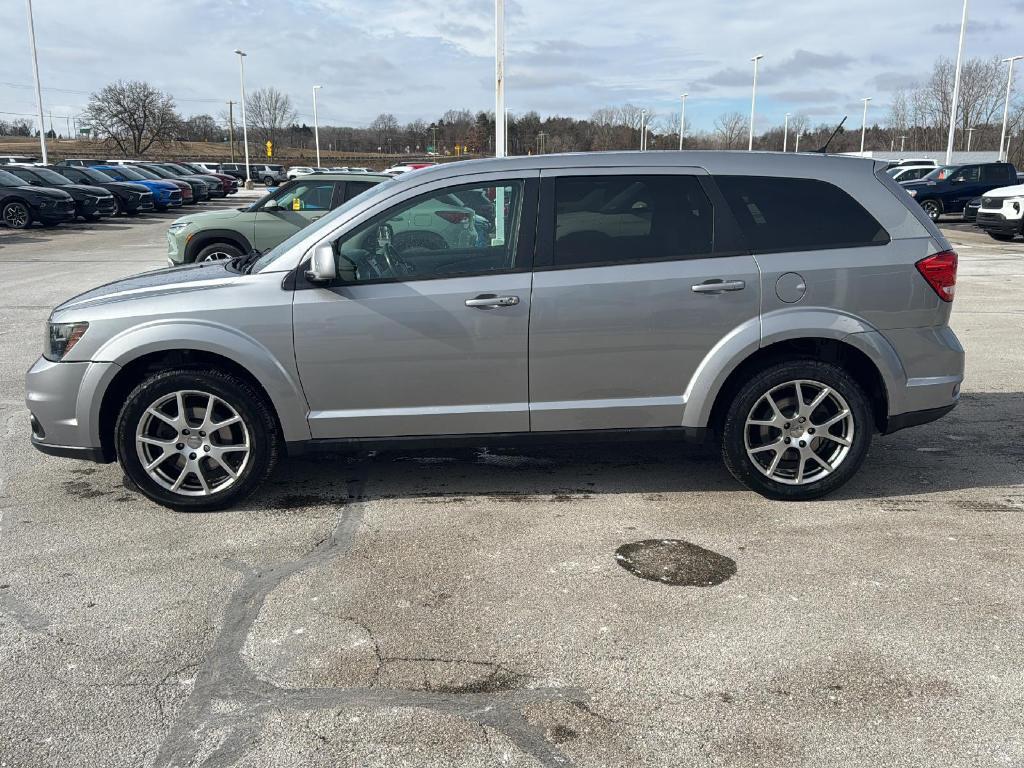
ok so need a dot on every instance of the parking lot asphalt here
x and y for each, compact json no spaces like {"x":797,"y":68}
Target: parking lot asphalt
{"x":585,"y":606}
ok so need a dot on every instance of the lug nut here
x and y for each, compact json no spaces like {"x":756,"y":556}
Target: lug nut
{"x":802,"y":419}
{"x":803,"y":444}
{"x":202,"y":434}
{"x":180,"y":446}
{"x":787,"y":441}
{"x":191,"y":455}
{"x":810,"y":431}
{"x":786,"y":425}
{"x":184,"y":432}
{"x":206,"y":448}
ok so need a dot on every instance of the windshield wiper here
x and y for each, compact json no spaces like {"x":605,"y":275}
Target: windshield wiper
{"x":242,"y":264}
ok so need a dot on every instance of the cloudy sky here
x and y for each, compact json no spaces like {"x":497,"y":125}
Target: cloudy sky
{"x":416,"y":58}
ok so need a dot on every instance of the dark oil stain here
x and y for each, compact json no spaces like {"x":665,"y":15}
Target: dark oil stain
{"x":500,"y":679}
{"x":727,"y":697}
{"x":83,"y":490}
{"x":986,"y":506}
{"x":561,"y":734}
{"x":83,"y":471}
{"x":123,"y":499}
{"x":675,"y":562}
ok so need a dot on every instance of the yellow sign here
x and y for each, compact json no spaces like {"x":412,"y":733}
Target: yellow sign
{"x":296,"y":204}
{"x":270,"y":149}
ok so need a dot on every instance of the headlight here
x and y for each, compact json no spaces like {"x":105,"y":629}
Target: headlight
{"x":177,"y":226}
{"x":912,"y":192}
{"x":47,"y":204}
{"x":61,"y":338}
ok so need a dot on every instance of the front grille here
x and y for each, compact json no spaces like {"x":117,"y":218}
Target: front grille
{"x":991,"y":202}
{"x":66,"y":205}
{"x":106,"y":204}
{"x":176,"y":196}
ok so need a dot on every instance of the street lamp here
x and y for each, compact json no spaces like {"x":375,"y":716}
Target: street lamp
{"x":1006,"y":106}
{"x":35,"y":75}
{"x":970,"y":133}
{"x":753,"y":102}
{"x":903,"y":143}
{"x":956,"y":89}
{"x":499,"y":78}
{"x":643,"y":130}
{"x":682,"y":120}
{"x":864,"y":123}
{"x":785,"y":133}
{"x":245,"y":126}
{"x":316,"y":127}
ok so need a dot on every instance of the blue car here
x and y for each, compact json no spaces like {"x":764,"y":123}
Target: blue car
{"x":166,"y":194}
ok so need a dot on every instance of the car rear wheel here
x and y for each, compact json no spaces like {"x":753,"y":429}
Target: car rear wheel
{"x":797,"y":431}
{"x":196,"y":440}
{"x":268,"y":181}
{"x":16,"y":215}
{"x":933,"y":208}
{"x":218,"y":252}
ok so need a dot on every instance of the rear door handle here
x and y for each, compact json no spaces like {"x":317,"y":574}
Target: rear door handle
{"x":490,"y":301}
{"x":718,"y":286}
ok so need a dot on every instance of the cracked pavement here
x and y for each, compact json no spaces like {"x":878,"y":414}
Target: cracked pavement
{"x":475,"y":608}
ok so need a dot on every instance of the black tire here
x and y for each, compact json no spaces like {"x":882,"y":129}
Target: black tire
{"x":16,"y":215}
{"x":734,"y":430}
{"x":1001,"y":236}
{"x":268,"y":181}
{"x":242,"y":396}
{"x":218,"y":252}
{"x":118,"y":206}
{"x":933,"y":209}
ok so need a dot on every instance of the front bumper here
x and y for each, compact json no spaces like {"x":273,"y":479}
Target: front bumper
{"x":64,"y":402}
{"x":55,"y":217}
{"x":175,"y":250}
{"x":998,"y":223}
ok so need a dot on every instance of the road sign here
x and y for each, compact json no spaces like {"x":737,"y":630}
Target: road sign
{"x":270,"y":149}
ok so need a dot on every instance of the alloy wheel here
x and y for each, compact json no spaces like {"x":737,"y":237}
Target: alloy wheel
{"x":799,"y":432}
{"x":192,"y":443}
{"x":215,"y":256}
{"x":16,"y":216}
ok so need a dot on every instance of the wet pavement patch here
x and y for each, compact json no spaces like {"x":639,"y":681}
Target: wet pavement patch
{"x":675,"y":562}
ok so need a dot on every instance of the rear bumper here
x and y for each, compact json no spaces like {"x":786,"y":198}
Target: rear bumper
{"x":916,"y":418}
{"x":933,"y":371}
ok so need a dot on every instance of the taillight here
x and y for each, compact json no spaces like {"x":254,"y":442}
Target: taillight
{"x":454,"y":217}
{"x":939,"y":270}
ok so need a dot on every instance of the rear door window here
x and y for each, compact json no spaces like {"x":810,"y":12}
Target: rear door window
{"x":626,"y":219}
{"x":354,"y":188}
{"x":996,"y":174}
{"x":784,"y":214}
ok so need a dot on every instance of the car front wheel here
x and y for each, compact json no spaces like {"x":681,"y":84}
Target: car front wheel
{"x":196,"y":440}
{"x":797,"y":431}
{"x":217,"y":252}
{"x":932,"y":208}
{"x":16,"y":215}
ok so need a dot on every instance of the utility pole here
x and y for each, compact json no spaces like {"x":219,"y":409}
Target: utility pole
{"x":785,"y":133}
{"x":956,"y":89}
{"x":316,"y":126}
{"x":864,"y":123}
{"x":682,"y":120}
{"x":499,"y":78}
{"x":643,"y":130}
{"x":903,"y":143}
{"x":970,"y":133}
{"x":1006,"y":108}
{"x":753,"y":102}
{"x":35,"y":75}
{"x":231,"y":128}
{"x":797,"y":148}
{"x":245,"y":127}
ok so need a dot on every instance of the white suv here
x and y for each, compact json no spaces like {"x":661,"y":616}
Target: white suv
{"x":1002,"y":212}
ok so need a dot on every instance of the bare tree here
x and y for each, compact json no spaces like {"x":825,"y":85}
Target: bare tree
{"x":201,"y":128}
{"x":133,"y":115}
{"x":731,"y":128}
{"x":269,"y":113}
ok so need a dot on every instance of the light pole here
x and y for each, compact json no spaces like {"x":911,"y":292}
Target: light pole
{"x":507,"y":110}
{"x":864,"y":123}
{"x":956,"y":89}
{"x":35,"y":75}
{"x":643,"y":130}
{"x":797,"y":147}
{"x":785,"y":133}
{"x":753,"y":102}
{"x":970,"y":133}
{"x":245,"y":125}
{"x":1006,"y":107}
{"x":499,"y":78}
{"x":316,"y":126}
{"x":682,"y":120}
{"x":903,"y":143}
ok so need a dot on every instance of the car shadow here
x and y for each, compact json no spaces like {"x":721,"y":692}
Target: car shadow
{"x":978,"y":445}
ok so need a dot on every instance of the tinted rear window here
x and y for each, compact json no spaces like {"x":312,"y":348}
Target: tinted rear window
{"x":783,"y":214}
{"x":626,"y":219}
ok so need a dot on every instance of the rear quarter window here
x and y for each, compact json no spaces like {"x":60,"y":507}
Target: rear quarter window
{"x":779,"y":214}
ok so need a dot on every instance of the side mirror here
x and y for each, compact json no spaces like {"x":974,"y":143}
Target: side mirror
{"x":322,"y":267}
{"x":272,"y":205}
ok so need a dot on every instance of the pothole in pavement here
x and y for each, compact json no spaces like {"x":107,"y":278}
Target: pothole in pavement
{"x":675,"y":562}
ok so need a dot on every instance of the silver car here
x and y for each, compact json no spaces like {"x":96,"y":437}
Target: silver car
{"x":792,"y":305}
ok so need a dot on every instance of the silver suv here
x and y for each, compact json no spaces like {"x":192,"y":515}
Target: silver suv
{"x":791,"y":305}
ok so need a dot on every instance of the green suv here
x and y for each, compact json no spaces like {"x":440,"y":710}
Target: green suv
{"x":224,"y":234}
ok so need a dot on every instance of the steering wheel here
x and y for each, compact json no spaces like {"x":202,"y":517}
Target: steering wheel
{"x":394,"y":261}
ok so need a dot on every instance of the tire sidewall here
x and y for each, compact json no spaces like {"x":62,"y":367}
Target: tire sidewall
{"x":239,"y":394}
{"x":227,"y":248}
{"x":22,"y":206}
{"x":930,"y":206}
{"x":734,"y":448}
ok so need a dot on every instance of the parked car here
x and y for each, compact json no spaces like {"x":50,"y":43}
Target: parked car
{"x":22,"y":204}
{"x":971,"y":209}
{"x":299,"y":170}
{"x":166,"y":194}
{"x":199,"y":187}
{"x":213,"y":168}
{"x":216,"y":186}
{"x":227,"y":233}
{"x":80,"y":162}
{"x":400,"y":169}
{"x":129,"y":197}
{"x":23,"y":159}
{"x":803,"y":311}
{"x":1002,"y":212}
{"x":910,"y":172}
{"x":949,"y":188}
{"x":229,"y":184}
{"x":91,"y":202}
{"x":268,"y":174}
{"x":913,"y":161}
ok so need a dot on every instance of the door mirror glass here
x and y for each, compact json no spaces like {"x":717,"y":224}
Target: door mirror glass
{"x":322,"y":267}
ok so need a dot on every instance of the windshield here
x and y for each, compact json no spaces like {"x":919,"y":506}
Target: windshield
{"x":156,"y":172}
{"x":10,"y":180}
{"x":53,"y":178}
{"x":97,"y":176}
{"x":177,"y":168}
{"x":129,"y":174}
{"x":942,"y":172}
{"x":282,"y":248}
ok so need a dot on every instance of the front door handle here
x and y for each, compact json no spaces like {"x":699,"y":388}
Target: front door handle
{"x":491,"y":301}
{"x":718,"y":286}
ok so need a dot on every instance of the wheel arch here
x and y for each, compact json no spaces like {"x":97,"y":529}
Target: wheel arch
{"x":207,"y":237}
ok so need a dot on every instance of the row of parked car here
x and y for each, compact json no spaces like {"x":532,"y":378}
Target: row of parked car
{"x":989,"y":194}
